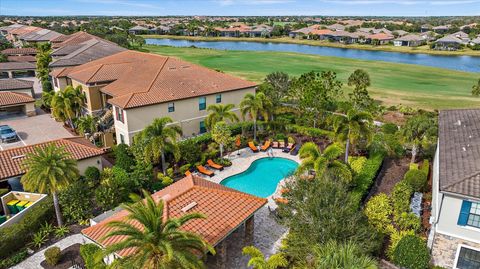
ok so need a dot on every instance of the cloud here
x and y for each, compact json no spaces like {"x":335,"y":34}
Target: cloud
{"x":251,"y":2}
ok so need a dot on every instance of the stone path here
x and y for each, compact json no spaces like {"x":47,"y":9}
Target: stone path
{"x":34,"y":261}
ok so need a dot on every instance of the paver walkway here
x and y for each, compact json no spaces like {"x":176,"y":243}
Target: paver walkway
{"x":34,"y":261}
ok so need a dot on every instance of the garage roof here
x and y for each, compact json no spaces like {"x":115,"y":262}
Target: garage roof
{"x":14,"y":98}
{"x":15,"y":84}
{"x":17,"y":66}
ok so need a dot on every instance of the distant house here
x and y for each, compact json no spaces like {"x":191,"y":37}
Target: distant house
{"x":15,"y":104}
{"x":442,"y":29}
{"x":449,"y":43}
{"x":17,"y":70}
{"x":411,"y":40}
{"x":40,"y":36}
{"x":425,"y":28}
{"x":85,"y":153}
{"x":344,"y":37}
{"x":260,"y":31}
{"x":379,"y":39}
{"x":20,"y":54}
{"x":399,"y":33}
{"x":336,"y":27}
{"x":17,"y":85}
{"x":138,"y":30}
{"x":462,"y":36}
{"x":455,"y":217}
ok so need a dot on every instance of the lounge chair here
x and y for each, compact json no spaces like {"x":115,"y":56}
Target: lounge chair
{"x":205,"y":171}
{"x":275,"y":144}
{"x":265,"y":146}
{"x":295,"y":150}
{"x":188,"y":173}
{"x":214,"y":165}
{"x":289,"y":147}
{"x":252,"y":146}
{"x":281,"y":144}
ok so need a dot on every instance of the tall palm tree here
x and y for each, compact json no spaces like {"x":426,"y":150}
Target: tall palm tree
{"x":49,"y":170}
{"x":325,"y":162}
{"x":258,"y":261}
{"x":219,"y":112}
{"x":67,"y":104}
{"x":254,"y":106}
{"x":333,"y":255}
{"x":159,"y":243}
{"x":352,"y":127}
{"x":158,"y":138}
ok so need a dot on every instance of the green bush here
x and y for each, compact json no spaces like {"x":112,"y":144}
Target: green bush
{"x":363,"y":180}
{"x":395,"y":237}
{"x":3,"y":192}
{"x":425,"y":167}
{"x":184,"y":168}
{"x":17,"y":236}
{"x":401,"y":193}
{"x":310,"y":131}
{"x":92,"y":176}
{"x":76,"y":202}
{"x":223,"y":161}
{"x":13,"y":259}
{"x":123,"y":157}
{"x":389,"y":128}
{"x":88,"y":252}
{"x":407,"y":221}
{"x":357,"y":163}
{"x":190,"y":151}
{"x":417,"y":179}
{"x":378,"y":210}
{"x":53,"y":255}
{"x":411,"y":253}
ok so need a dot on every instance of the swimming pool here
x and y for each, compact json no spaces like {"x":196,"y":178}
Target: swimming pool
{"x":262,"y":177}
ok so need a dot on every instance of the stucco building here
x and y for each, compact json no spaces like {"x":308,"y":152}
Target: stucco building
{"x":139,"y":87}
{"x":455,"y":234}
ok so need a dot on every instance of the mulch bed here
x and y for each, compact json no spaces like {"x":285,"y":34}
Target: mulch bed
{"x":69,"y":254}
{"x":391,"y":173}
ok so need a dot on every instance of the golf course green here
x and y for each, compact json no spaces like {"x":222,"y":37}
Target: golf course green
{"x":392,"y":83}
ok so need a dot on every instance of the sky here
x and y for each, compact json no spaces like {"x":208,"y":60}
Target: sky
{"x":241,"y":7}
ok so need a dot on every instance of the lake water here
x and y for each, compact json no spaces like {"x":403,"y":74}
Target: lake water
{"x":461,"y":63}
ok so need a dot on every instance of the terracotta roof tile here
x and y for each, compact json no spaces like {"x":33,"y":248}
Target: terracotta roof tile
{"x":11,"y":159}
{"x":23,"y":58}
{"x":17,"y":66}
{"x":225,"y":210}
{"x":14,"y":98}
{"x":141,"y":79}
{"x":19,"y":51}
{"x":15,"y":84}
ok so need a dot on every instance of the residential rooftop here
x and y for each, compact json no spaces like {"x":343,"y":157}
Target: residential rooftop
{"x":8,"y":98}
{"x":15,"y":84}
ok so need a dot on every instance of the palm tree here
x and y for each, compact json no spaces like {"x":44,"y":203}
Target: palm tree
{"x":352,"y":127}
{"x":219,"y":113}
{"x":333,"y":255}
{"x":254,"y":106}
{"x":418,"y":130}
{"x":67,"y":103}
{"x":87,"y":124}
{"x":160,"y":242}
{"x":49,"y":170}
{"x":158,"y":138}
{"x":258,"y":261}
{"x":325,"y":162}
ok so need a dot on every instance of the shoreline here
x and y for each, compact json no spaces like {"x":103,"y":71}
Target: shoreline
{"x":287,"y":40}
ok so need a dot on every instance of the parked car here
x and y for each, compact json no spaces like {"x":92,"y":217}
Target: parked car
{"x":7,"y":134}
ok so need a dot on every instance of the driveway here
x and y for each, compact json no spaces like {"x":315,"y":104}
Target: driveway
{"x":35,"y":129}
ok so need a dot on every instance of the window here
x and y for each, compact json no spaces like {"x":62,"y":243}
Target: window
{"x":55,"y":82}
{"x":203,"y":129}
{"x":171,"y":107}
{"x":202,"y":103}
{"x":122,"y":139}
{"x":468,"y":259}
{"x":469,"y":214}
{"x":119,"y":115}
{"x":218,"y":98}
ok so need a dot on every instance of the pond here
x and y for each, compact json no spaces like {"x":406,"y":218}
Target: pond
{"x":460,"y":63}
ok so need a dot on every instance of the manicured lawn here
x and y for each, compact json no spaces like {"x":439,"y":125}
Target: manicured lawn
{"x":419,"y":86}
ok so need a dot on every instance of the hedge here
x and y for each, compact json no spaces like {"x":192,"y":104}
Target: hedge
{"x":401,"y":194}
{"x":310,"y":131}
{"x":364,"y":180}
{"x":15,"y":237}
{"x":412,"y":253}
{"x":88,"y":252}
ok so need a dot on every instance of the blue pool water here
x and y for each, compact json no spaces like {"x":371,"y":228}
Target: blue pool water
{"x":262,"y":177}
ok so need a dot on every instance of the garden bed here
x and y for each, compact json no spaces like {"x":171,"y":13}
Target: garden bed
{"x":69,"y":256}
{"x":391,"y":173}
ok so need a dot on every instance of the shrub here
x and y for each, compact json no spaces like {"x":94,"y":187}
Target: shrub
{"x":223,"y":161}
{"x":184,"y":168}
{"x":408,"y":221}
{"x":364,"y":179}
{"x":417,"y":179}
{"x":413,"y":166}
{"x":52,"y":255}
{"x":92,"y":176}
{"x":412,"y":253}
{"x":357,"y":163}
{"x":107,"y":197}
{"x":395,"y":237}
{"x":76,"y":202}
{"x":389,"y":128}
{"x":17,"y":236}
{"x":425,"y":167}
{"x":123,"y":157}
{"x":378,"y":211}
{"x":13,"y":259}
{"x":88,"y":252}
{"x":400,"y":195}
{"x":309,"y":131}
{"x":170,"y":172}
{"x":3,"y":192}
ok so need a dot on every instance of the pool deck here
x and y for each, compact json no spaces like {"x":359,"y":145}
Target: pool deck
{"x":268,"y":233}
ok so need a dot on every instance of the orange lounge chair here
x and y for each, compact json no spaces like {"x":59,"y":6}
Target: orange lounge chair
{"x":188,"y":173}
{"x":252,"y":146}
{"x":205,"y":171}
{"x":266,"y":145}
{"x":214,"y":165}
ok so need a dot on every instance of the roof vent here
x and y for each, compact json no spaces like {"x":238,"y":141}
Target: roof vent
{"x":166,"y":197}
{"x":459,"y":123}
{"x":17,"y":157}
{"x":464,"y":149}
{"x":189,"y":206}
{"x":193,"y":91}
{"x":172,"y":68}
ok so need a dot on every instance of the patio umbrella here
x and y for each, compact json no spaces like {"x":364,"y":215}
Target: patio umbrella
{"x":238,"y":143}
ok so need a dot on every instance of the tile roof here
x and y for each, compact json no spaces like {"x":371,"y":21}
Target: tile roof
{"x":11,"y":159}
{"x":225,"y":209}
{"x":19,"y":51}
{"x":17,"y":66}
{"x":14,"y":98}
{"x":23,"y":58}
{"x":381,"y":36}
{"x":15,"y":84}
{"x":40,"y":35}
{"x":459,"y":155}
{"x":411,"y":37}
{"x":141,"y":79}
{"x":24,"y":30}
{"x":76,"y":38}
